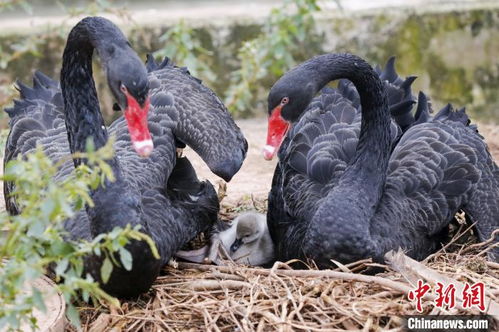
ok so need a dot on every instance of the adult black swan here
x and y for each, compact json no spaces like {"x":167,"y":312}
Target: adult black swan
{"x":344,"y":195}
{"x":161,"y":193}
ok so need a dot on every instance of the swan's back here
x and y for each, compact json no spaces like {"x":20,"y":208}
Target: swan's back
{"x":321,"y":144}
{"x":36,"y":119}
{"x":440,"y":166}
{"x":202,"y":120}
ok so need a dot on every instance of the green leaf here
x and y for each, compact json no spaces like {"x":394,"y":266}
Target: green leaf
{"x":61,"y":266}
{"x":106,"y":269}
{"x":36,"y":229}
{"x":90,"y":146}
{"x":126,"y":258}
{"x":38,"y":301}
{"x":85,"y":295}
{"x":61,"y":248}
{"x":73,"y":316}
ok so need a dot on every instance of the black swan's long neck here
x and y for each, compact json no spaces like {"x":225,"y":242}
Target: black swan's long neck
{"x":81,"y":105}
{"x":371,"y":159}
{"x":340,"y":227}
{"x":84,"y":119}
{"x":116,"y":204}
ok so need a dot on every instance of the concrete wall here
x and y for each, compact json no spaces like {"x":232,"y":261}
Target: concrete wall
{"x":452,"y":49}
{"x":454,"y":53}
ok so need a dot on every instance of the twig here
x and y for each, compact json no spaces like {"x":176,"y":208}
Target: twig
{"x":484,"y":243}
{"x":489,"y":248}
{"x":225,"y":276}
{"x":216,"y":284}
{"x":395,"y":285}
{"x":451,"y":242}
{"x":492,"y":264}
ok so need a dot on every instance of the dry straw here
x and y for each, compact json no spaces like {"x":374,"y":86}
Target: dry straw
{"x":192,"y":297}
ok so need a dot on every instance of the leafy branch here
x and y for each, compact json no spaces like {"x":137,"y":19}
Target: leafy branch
{"x":11,"y":4}
{"x":272,"y":52}
{"x":35,"y":240}
{"x":183,"y":47}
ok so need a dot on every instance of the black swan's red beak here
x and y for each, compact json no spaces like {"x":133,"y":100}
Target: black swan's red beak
{"x":136,"y":118}
{"x":278,"y":127}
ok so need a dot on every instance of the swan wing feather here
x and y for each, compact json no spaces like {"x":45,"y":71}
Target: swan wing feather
{"x":433,"y":172}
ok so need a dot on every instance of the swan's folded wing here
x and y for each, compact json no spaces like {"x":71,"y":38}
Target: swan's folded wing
{"x":315,"y":154}
{"x":202,"y":121}
{"x":174,"y":120}
{"x":311,"y":159}
{"x":37,"y":114}
{"x":324,"y":140}
{"x":173,"y":221}
{"x":36,"y":119}
{"x":153,"y":171}
{"x":432,"y":173}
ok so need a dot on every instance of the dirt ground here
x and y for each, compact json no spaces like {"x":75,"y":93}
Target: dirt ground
{"x":255,"y":176}
{"x":322,"y":297}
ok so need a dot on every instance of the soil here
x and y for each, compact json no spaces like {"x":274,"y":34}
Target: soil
{"x":255,"y":176}
{"x":254,"y":179}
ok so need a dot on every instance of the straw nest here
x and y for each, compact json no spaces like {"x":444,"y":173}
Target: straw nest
{"x":192,"y":297}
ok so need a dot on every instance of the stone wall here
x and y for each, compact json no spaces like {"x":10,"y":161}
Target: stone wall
{"x":454,"y":52}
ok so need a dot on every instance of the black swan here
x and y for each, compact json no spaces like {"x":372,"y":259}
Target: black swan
{"x":161,"y":193}
{"x":346,"y":195}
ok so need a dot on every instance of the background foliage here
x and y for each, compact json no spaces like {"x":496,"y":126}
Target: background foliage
{"x":257,"y":56}
{"x":238,"y":58}
{"x":287,"y":37}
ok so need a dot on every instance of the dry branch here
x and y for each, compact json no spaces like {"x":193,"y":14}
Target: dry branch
{"x":195,"y":297}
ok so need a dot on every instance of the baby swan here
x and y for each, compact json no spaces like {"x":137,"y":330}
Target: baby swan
{"x":245,"y":240}
{"x":250,"y":243}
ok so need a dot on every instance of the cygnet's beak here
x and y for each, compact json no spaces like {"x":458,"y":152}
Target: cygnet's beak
{"x":236,"y":245}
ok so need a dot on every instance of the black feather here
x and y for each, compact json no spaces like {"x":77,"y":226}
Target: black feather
{"x":437,"y":166}
{"x":160,"y":193}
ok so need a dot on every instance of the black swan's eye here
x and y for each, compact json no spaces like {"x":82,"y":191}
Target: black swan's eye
{"x":284,"y":101}
{"x":123,"y":88}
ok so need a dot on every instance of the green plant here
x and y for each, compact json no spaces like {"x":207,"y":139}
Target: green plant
{"x":33,"y":43}
{"x":35,"y":240}
{"x":11,"y":4}
{"x":284,"y":33}
{"x":97,"y":7}
{"x":287,"y":37}
{"x":184,"y":48}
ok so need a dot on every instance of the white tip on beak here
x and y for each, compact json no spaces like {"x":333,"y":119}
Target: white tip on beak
{"x":268,"y":152}
{"x":143,"y":148}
